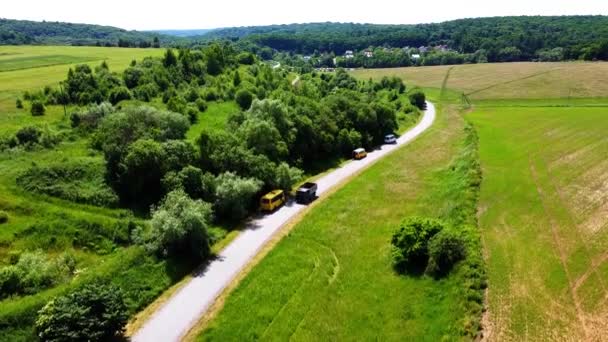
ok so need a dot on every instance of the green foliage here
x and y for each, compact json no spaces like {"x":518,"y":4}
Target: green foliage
{"x":119,"y":94}
{"x":3,"y":217}
{"x":244,"y":98}
{"x":169,"y":59}
{"x":77,"y":181}
{"x":179,"y":228}
{"x":89,"y":118}
{"x":94,"y":312}
{"x":234,"y":195}
{"x":286,"y":177}
{"x":445,"y":249}
{"x":465,"y":36}
{"x":34,"y":272}
{"x":19,"y":104}
{"x":201,"y":105}
{"x":418,"y":99}
{"x":38,"y":108}
{"x":177,"y":104}
{"x":410,"y":242}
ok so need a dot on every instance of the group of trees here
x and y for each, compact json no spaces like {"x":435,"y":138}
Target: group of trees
{"x":281,"y":130}
{"x":429,"y":245}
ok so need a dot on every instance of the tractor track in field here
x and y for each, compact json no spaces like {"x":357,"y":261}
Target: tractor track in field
{"x":580,"y":314}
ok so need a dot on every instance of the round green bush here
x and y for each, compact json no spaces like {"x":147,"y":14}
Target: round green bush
{"x":410,"y":243}
{"x":3,"y":216}
{"x":445,"y":250}
{"x":38,"y":108}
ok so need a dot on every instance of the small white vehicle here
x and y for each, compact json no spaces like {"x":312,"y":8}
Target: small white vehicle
{"x":390,"y":139}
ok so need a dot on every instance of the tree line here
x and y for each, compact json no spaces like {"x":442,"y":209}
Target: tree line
{"x":498,"y":39}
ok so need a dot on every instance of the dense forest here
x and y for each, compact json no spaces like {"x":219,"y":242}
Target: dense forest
{"x":498,"y":38}
{"x":24,"y":32}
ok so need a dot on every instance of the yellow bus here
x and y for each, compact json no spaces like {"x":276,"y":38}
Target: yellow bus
{"x":359,"y":153}
{"x":272,"y":200}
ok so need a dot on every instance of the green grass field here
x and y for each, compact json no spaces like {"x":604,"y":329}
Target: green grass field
{"x":543,"y":209}
{"x":543,"y":206}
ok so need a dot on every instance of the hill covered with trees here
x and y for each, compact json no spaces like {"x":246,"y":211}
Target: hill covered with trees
{"x":499,"y":38}
{"x":25,"y":32}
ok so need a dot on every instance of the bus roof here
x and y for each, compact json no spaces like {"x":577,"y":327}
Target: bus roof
{"x":273,"y":194}
{"x":359,"y":150}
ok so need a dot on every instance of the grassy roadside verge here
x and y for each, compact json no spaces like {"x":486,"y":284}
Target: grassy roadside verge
{"x":330,"y":276}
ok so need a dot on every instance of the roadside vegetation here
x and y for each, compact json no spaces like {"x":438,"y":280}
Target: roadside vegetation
{"x":332,"y":275}
{"x":128,"y":179}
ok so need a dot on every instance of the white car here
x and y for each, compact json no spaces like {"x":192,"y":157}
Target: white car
{"x":390,"y":139}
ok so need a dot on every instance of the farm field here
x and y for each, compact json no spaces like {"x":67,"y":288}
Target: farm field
{"x":525,"y":80}
{"x":543,"y":204}
{"x":330,"y":277}
{"x":543,"y":210}
{"x":33,"y":67}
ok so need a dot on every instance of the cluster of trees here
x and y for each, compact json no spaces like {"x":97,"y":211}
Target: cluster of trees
{"x":429,"y":245}
{"x":18,"y":32}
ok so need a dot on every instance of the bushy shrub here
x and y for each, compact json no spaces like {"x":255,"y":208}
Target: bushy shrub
{"x":211,"y":94}
{"x":29,"y":135}
{"x":89,"y":118}
{"x":81,"y":182}
{"x":201,"y":105}
{"x":34,"y":272}
{"x":244,"y":98}
{"x":38,"y":108}
{"x":193,"y":181}
{"x":234,"y":195}
{"x":410,"y":243}
{"x":3,"y":216}
{"x":94,"y":312}
{"x":119,"y":94}
{"x":177,"y":104}
{"x":446,"y":248}
{"x":192,"y":113}
{"x":178,"y":228}
{"x":418,"y":99}
{"x":19,"y":104}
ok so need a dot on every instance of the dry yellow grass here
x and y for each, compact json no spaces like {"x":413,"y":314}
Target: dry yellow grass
{"x":526,"y":80}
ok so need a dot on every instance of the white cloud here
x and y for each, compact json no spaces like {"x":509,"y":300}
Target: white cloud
{"x":190,"y":14}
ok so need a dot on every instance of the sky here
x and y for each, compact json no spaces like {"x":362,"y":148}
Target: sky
{"x":201,"y":14}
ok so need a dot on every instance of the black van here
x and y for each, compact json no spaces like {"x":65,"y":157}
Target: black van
{"x":306,"y":193}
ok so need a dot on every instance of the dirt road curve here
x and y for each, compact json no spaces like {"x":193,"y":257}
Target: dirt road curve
{"x":187,"y":305}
